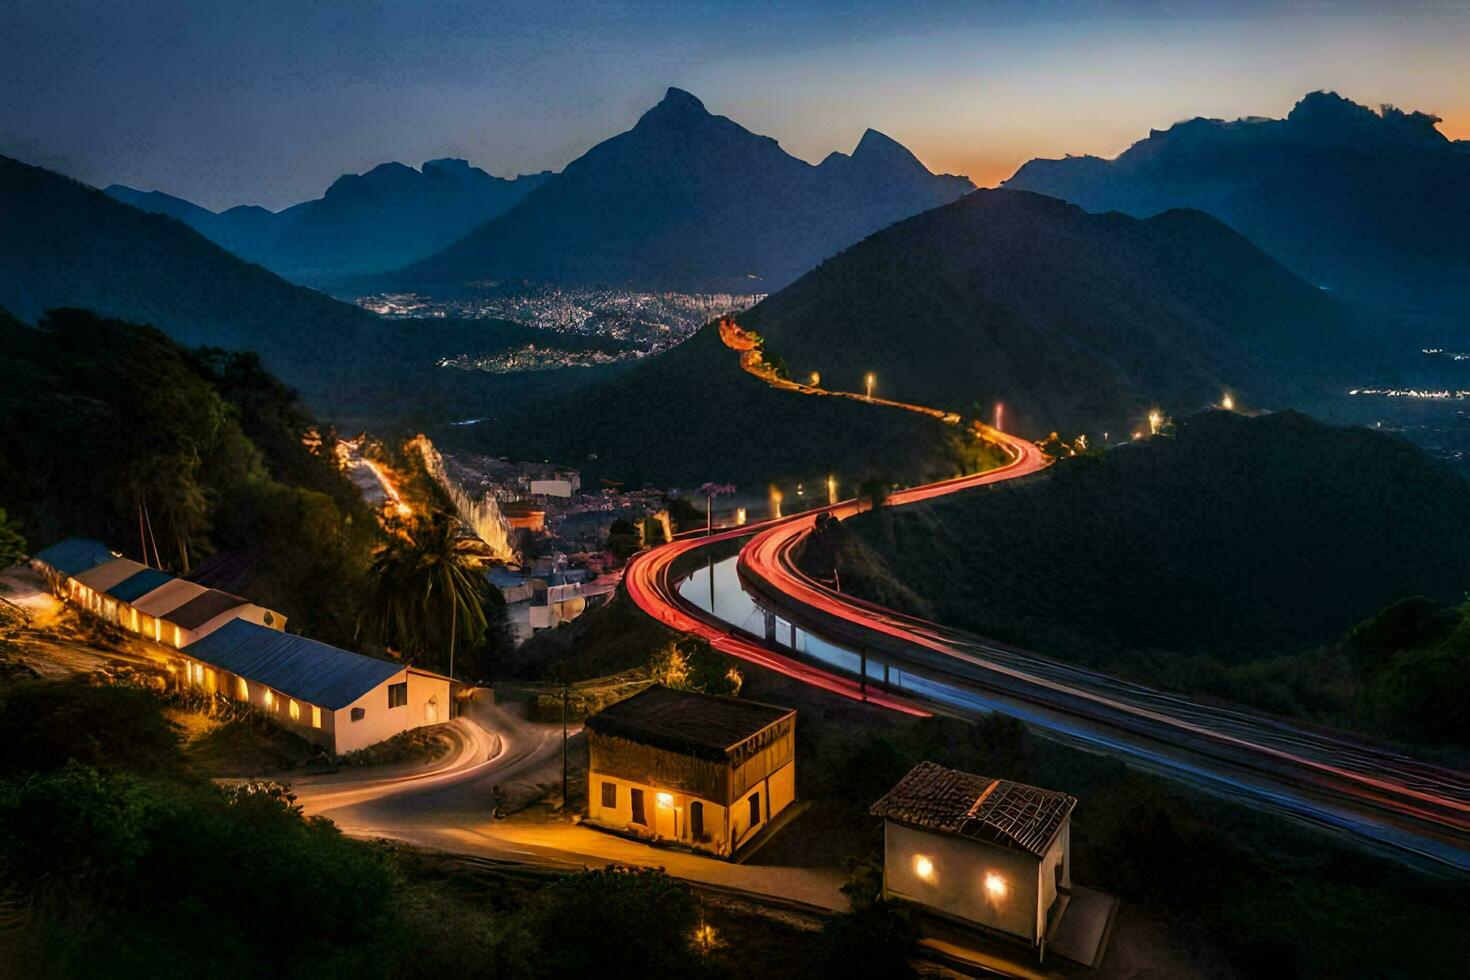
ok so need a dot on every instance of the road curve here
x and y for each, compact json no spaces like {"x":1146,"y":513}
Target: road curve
{"x":1325,"y":777}
{"x":1328,"y":776}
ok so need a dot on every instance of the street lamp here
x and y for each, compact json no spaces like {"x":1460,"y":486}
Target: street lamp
{"x":1227,"y":403}
{"x":870,"y":380}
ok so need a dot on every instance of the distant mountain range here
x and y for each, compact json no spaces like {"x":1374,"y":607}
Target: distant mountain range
{"x":63,"y":244}
{"x":365,"y":223}
{"x":1075,"y":321}
{"x":1374,"y":206}
{"x":690,"y":201}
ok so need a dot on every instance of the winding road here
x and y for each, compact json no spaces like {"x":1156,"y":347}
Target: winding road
{"x":1372,"y":793}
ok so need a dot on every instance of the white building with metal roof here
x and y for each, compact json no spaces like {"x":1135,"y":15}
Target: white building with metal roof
{"x":337,"y":699}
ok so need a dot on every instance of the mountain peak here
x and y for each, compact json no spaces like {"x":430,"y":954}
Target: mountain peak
{"x":676,"y":99}
{"x":1332,"y":119}
{"x":877,"y":148}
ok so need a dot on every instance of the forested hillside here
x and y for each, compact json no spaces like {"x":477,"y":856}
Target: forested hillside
{"x":1074,"y":321}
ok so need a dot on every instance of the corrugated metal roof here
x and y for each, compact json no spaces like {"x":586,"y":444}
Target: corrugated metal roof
{"x":202,"y":608}
{"x":75,"y":555}
{"x":168,"y":597}
{"x":300,"y":668}
{"x":997,"y":811}
{"x":140,"y":584}
{"x":108,"y":574}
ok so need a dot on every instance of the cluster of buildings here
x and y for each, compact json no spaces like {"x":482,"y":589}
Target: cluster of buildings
{"x":218,"y":643}
{"x":711,"y":773}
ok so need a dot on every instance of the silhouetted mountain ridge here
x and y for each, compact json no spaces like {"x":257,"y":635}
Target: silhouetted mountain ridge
{"x":694,"y":201}
{"x":1373,"y":205}
{"x":1072,"y":320}
{"x":364,"y":223}
{"x":63,"y":244}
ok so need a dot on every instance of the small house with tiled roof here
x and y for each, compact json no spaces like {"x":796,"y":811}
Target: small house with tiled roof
{"x":983,"y":851}
{"x":700,"y":770}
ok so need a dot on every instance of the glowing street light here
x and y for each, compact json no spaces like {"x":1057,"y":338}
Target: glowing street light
{"x":1155,"y":421}
{"x":816,"y":379}
{"x":1000,"y":411}
{"x":923,"y":867}
{"x":870,"y":380}
{"x":1227,"y":402}
{"x":995,"y":886}
{"x":831,"y":489}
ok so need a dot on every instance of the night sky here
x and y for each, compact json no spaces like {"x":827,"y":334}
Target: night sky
{"x":267,"y":102}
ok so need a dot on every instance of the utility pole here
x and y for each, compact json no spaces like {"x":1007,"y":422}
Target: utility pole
{"x":564,"y":687}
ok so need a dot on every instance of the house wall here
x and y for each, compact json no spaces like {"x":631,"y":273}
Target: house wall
{"x":956,"y":884}
{"x":209,"y":679}
{"x":768,"y":773}
{"x":716,"y":838}
{"x":380,"y":721}
{"x":1057,"y":856}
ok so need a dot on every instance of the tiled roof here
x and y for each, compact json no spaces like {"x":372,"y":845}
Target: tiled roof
{"x":998,"y":811}
{"x":297,"y":667}
{"x":139,"y":584}
{"x":74,"y":555}
{"x":702,"y":725}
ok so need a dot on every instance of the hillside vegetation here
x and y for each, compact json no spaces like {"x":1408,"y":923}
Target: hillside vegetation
{"x":63,"y":244}
{"x":1074,"y":321}
{"x":691,"y":415}
{"x":104,"y":417}
{"x":1207,"y":560}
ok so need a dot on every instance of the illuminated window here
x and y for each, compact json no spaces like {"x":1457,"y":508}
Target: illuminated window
{"x":178,"y":637}
{"x":270,"y":699}
{"x":242,"y":689}
{"x":316,"y":717}
{"x":294,"y":710}
{"x":924,"y":867}
{"x":397,"y":695}
{"x":157,"y":631}
{"x":358,"y":714}
{"x":610,"y":795}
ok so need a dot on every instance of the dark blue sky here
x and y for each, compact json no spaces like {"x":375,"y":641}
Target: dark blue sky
{"x":267,"y":102}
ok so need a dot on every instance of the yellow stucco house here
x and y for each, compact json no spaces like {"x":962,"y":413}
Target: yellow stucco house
{"x":705,"y":771}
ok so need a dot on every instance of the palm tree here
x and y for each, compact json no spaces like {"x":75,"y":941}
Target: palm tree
{"x":419,"y":581}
